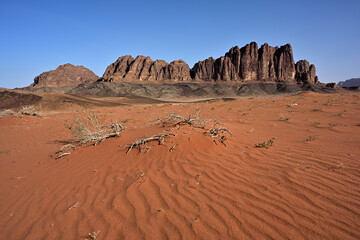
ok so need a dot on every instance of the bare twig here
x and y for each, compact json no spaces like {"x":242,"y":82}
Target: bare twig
{"x":218,"y":132}
{"x":176,"y":120}
{"x":141,"y":144}
{"x":93,"y":235}
{"x":172,"y":148}
{"x":66,"y":148}
{"x":62,"y":155}
{"x":73,"y":206}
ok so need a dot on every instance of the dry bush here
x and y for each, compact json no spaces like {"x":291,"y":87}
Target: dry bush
{"x":6,"y":113}
{"x":141,"y":144}
{"x":29,"y":110}
{"x":26,"y":110}
{"x":176,"y":120}
{"x":218,"y":132}
{"x":264,"y":144}
{"x":87,"y":129}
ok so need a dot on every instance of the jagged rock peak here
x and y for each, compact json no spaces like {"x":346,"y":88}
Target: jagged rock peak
{"x":65,"y":75}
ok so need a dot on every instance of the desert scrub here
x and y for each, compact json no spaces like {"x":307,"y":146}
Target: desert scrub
{"x":87,"y":129}
{"x":284,"y":117}
{"x":266,"y":144}
{"x":25,"y":110}
{"x":333,"y":124}
{"x":309,"y":138}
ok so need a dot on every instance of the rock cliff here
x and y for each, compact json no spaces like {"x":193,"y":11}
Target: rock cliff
{"x":144,"y":69}
{"x":246,"y":64}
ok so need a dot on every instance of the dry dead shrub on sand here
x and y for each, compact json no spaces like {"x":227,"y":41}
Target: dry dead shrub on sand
{"x":87,"y":129}
{"x":141,"y":144}
{"x":6,"y":113}
{"x":218,"y":132}
{"x":25,"y":110}
{"x":29,"y":110}
{"x":173,"y":120}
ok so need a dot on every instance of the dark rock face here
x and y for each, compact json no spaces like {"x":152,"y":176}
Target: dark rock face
{"x":266,"y":63}
{"x":246,"y":64}
{"x":65,"y":75}
{"x":305,"y":73}
{"x":144,"y":69}
{"x":284,"y":64}
{"x":203,"y":70}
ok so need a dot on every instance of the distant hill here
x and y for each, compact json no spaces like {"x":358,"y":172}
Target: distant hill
{"x":65,"y":75}
{"x":353,"y":82}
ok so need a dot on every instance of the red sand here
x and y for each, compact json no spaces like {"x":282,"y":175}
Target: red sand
{"x":296,"y":189}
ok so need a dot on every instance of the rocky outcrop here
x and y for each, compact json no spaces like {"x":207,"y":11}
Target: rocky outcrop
{"x":144,"y":69}
{"x":246,"y":64}
{"x":305,"y":73}
{"x":266,"y":69}
{"x":65,"y":75}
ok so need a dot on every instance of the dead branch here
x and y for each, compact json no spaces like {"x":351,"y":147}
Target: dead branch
{"x":65,"y":148}
{"x":218,"y":132}
{"x":176,"y":120}
{"x":73,"y":206}
{"x":141,"y":144}
{"x":62,"y":155}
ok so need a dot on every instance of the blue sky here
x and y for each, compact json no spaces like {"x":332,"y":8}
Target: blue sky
{"x":37,"y":36}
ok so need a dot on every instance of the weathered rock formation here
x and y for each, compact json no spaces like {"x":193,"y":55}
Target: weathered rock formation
{"x":305,"y":73}
{"x":65,"y":75}
{"x":246,"y":64}
{"x":144,"y":69}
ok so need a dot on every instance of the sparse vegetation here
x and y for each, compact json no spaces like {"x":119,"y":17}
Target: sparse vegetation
{"x":6,"y":113}
{"x":266,"y":144}
{"x":141,"y":144}
{"x":333,"y":124}
{"x":290,"y":105}
{"x":4,"y":152}
{"x":87,"y":129}
{"x":174,"y":120}
{"x":125,"y":121}
{"x":310,"y":138}
{"x":284,"y":117}
{"x":218,"y":132}
{"x":26,"y":110}
{"x":304,"y":165}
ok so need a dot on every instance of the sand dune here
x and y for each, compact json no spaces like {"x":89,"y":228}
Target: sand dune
{"x":305,"y":186}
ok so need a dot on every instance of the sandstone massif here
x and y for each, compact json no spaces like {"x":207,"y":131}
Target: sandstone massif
{"x":65,"y":75}
{"x":239,"y":65}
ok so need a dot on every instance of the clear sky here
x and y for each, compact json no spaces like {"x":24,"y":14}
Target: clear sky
{"x":37,"y":36}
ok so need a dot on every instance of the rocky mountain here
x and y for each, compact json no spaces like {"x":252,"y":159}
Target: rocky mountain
{"x":142,"y":68}
{"x":353,"y":82}
{"x":239,"y":65}
{"x":65,"y":75}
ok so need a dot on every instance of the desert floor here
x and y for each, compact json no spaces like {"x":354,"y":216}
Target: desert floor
{"x":305,"y":186}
